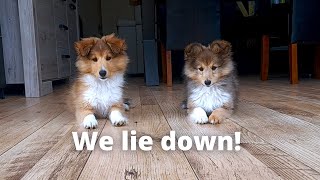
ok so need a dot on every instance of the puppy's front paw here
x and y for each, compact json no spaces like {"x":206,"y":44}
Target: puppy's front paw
{"x":117,"y":119}
{"x":218,"y":115}
{"x":199,"y":116}
{"x":90,"y":121}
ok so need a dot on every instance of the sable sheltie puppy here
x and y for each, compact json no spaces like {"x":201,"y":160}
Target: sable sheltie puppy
{"x":98,"y":90}
{"x":211,"y":80}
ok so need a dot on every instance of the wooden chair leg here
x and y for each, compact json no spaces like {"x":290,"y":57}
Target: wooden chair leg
{"x":293,"y":63}
{"x":265,"y":51}
{"x":164,"y":63}
{"x":169,"y":68}
{"x":317,"y":62}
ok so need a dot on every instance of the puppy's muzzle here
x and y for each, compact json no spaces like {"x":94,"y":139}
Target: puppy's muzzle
{"x":207,"y":82}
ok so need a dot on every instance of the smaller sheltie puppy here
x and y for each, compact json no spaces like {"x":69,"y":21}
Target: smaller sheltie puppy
{"x":98,"y":90}
{"x":212,"y":81}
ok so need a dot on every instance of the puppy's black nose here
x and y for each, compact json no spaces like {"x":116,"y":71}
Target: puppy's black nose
{"x":102,"y":73}
{"x":207,"y":82}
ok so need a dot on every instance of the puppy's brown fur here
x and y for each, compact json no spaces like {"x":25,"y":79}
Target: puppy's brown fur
{"x":96,"y":54}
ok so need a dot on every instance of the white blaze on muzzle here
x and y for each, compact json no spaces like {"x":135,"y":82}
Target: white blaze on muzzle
{"x":103,"y":68}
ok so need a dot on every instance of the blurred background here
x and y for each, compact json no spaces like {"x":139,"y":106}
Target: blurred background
{"x":270,"y":38}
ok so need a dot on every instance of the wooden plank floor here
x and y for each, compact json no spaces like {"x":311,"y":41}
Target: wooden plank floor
{"x":279,"y":125}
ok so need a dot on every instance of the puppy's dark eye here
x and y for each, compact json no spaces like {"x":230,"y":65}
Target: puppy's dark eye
{"x":108,"y":58}
{"x":200,"y":68}
{"x":95,"y":59}
{"x":214,"y":67}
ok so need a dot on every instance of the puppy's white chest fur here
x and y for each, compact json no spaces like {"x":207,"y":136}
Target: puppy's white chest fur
{"x":208,"y":98}
{"x":101,"y":95}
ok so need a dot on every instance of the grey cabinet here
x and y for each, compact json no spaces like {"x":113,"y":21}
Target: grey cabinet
{"x":11,"y":41}
{"x":60,"y":16}
{"x":38,"y":42}
{"x":55,"y":31}
{"x":2,"y":74}
{"x":72,"y":15}
{"x":46,"y":38}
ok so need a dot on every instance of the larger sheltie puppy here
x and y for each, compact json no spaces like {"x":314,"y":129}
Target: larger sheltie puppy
{"x":98,"y":90}
{"x":211,"y":80}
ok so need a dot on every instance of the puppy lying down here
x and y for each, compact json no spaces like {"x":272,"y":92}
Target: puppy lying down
{"x":211,"y":81}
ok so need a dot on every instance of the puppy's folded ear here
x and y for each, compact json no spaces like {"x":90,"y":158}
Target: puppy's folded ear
{"x":221,"y":47}
{"x":192,"y":50}
{"x":84,"y":46}
{"x":116,"y":45}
